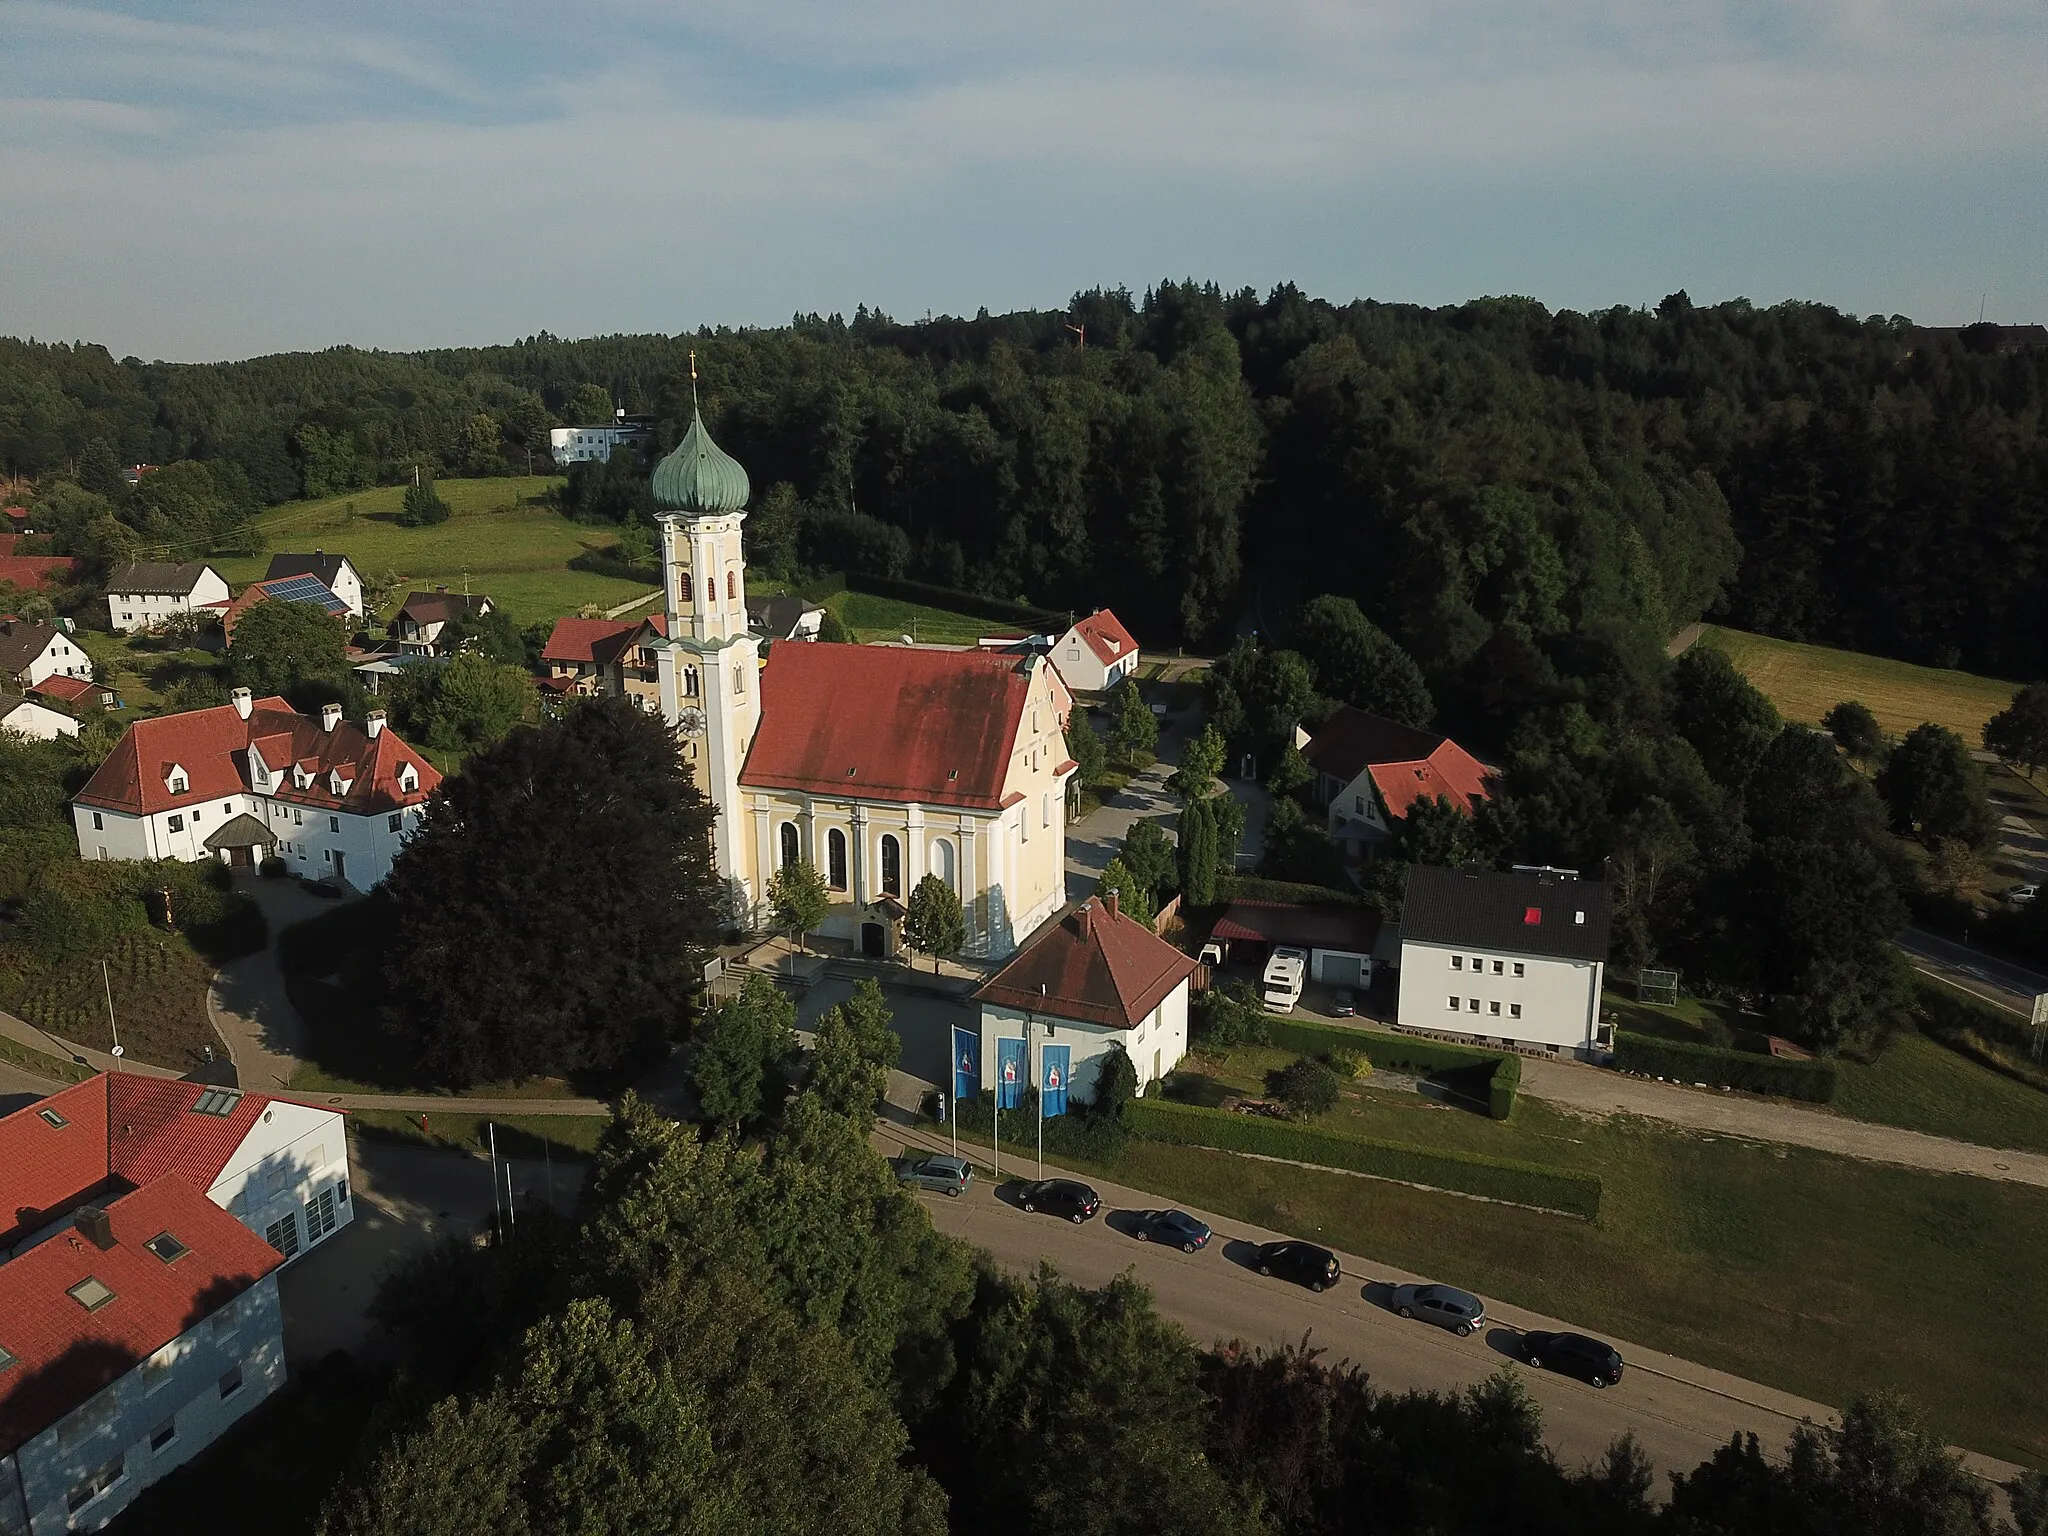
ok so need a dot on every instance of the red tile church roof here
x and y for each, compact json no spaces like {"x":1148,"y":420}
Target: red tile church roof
{"x":1094,"y":965}
{"x":211,"y":746}
{"x":889,"y":723}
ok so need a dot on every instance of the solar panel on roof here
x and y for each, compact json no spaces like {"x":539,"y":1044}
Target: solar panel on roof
{"x":305,"y":589}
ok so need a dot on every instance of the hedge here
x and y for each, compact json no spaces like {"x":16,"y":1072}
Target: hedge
{"x":953,"y":600}
{"x":1074,"y":1134}
{"x":1405,"y":1053}
{"x":1290,"y":892}
{"x":1813,"y":1081}
{"x":1497,"y":1178}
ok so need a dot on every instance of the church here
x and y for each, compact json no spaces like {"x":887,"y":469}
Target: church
{"x":876,"y":764}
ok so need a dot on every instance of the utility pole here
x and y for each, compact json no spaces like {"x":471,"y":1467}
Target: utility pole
{"x":497,"y":1210}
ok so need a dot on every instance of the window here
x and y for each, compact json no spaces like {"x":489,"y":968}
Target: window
{"x":732,"y":584}
{"x":1496,"y":967}
{"x":341,"y":1191}
{"x":393,"y":823}
{"x":1454,"y":1002}
{"x":217,"y":1101}
{"x":1045,"y":810}
{"x":1494,"y":1009}
{"x":98,"y":1483}
{"x":283,"y":1234}
{"x":178,"y":784}
{"x":320,"y":1212}
{"x":298,"y":818}
{"x":790,"y":852}
{"x":5,"y":1358}
{"x":1472,"y":1004}
{"x":91,"y":1293}
{"x":56,"y":1120}
{"x":1514,"y":1010}
{"x":1358,"y":804}
{"x":739,"y":679}
{"x":176,"y":823}
{"x":229,"y":1317}
{"x":164,"y":1433}
{"x":689,"y":682}
{"x":334,"y":823}
{"x":227,"y":807}
{"x":156,"y":1371}
{"x":1457,"y":962}
{"x":892,"y":866}
{"x":835,"y":859}
{"x":231,"y":1381}
{"x":1518,"y":968}
{"x":167,"y":1247}
{"x":1478,"y":964}
{"x":97,"y":824}
{"x":943,"y":862}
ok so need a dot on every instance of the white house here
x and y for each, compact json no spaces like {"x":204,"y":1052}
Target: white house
{"x":1096,"y":654}
{"x":1370,"y":771}
{"x":253,"y":777}
{"x":582,"y":444}
{"x":877,"y":765}
{"x":25,"y":717}
{"x":423,"y":616}
{"x":784,"y":618}
{"x":1516,"y":958}
{"x":29,"y":653}
{"x":139,"y":1314}
{"x":1091,"y":982}
{"x":333,"y":572}
{"x":144,"y":593}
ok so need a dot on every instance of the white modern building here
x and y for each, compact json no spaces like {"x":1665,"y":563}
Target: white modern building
{"x":1515,"y":958}
{"x":144,"y":593}
{"x":256,"y":777}
{"x":598,"y":441}
{"x":1096,"y":654}
{"x":145,"y":1222}
{"x":1093,"y":982}
{"x":31,"y":653}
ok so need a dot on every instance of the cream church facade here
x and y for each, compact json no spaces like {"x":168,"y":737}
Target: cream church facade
{"x":876,"y":764}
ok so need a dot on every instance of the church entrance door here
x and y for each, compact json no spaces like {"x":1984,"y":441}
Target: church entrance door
{"x":873,"y":941}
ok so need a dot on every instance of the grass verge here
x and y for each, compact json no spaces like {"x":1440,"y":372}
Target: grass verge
{"x":1921,"y":1085}
{"x":1806,"y":681}
{"x":868,"y":618}
{"x":563,"y":1137}
{"x":59,"y":1069}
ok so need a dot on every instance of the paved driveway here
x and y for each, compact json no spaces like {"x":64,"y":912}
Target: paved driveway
{"x":247,"y":1003}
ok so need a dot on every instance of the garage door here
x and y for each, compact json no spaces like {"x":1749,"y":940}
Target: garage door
{"x":1341,"y":970}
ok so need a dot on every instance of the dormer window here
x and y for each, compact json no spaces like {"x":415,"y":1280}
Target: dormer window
{"x":175,"y":780}
{"x":408,"y":781}
{"x":338,"y":782}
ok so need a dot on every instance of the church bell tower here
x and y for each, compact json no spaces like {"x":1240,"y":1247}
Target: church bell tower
{"x":710,"y":667}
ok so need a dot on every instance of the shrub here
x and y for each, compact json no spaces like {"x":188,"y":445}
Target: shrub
{"x":1090,"y":1137}
{"x":1496,"y":1178}
{"x":1231,"y":1015}
{"x":273,"y":867}
{"x":1306,"y":1086}
{"x":1492,"y":1075}
{"x":1813,"y":1081}
{"x":1348,"y":1063}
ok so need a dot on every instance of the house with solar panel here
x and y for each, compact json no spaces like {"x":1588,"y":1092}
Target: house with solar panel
{"x":143,"y":1223}
{"x":333,"y":572}
{"x":283,"y":589}
{"x":253,"y":778}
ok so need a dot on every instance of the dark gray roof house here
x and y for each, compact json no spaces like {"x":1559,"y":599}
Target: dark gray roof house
{"x":160,"y":577}
{"x":320,"y":564}
{"x":1524,"y":912}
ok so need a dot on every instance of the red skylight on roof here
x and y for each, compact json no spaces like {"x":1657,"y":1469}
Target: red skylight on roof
{"x":1532,"y":917}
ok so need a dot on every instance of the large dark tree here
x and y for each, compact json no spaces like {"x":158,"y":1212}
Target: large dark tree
{"x":552,"y":912}
{"x":1721,"y":713}
{"x":1358,"y":663}
{"x":279,"y":647}
{"x":2018,"y":734}
{"x":1937,"y":790}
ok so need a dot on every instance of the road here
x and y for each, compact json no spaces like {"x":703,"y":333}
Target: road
{"x":1999,"y":981}
{"x":1680,"y":1412}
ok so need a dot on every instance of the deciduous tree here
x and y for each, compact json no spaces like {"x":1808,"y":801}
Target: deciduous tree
{"x":2018,"y":734}
{"x":1937,"y":790}
{"x":934,"y":924}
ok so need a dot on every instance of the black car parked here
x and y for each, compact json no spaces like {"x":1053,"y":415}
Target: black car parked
{"x":1575,"y":1355}
{"x":1303,"y":1263}
{"x":1063,"y":1197}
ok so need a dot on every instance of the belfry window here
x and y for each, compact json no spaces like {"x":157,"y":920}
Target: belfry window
{"x":732,"y":583}
{"x":682,"y":586}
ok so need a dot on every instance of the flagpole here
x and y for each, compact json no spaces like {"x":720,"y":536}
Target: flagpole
{"x":497,"y":1211}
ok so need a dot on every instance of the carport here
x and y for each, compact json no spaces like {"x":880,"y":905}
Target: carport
{"x":1339,"y":940}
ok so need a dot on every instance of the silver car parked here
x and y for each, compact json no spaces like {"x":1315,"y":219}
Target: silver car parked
{"x":1444,"y":1305}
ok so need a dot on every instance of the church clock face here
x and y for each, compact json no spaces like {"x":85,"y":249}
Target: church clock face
{"x":691,"y":721}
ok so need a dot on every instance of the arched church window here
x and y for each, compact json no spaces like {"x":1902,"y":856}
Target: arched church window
{"x":942,"y":862}
{"x":892,"y":866}
{"x":790,"y":851}
{"x":682,"y":586}
{"x":732,"y":583}
{"x":835,"y":859}
{"x":1045,"y":810}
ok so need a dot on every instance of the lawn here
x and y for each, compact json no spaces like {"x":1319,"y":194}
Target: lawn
{"x":1806,"y":681}
{"x":498,"y":541}
{"x":142,"y":668}
{"x":1814,"y":1273}
{"x":570,"y":1138}
{"x":869,"y":618}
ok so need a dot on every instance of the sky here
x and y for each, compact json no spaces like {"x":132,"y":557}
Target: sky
{"x":218,"y":179}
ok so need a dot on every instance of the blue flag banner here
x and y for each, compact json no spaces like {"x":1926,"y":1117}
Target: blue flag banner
{"x":1052,"y":1092}
{"x":966,"y":1063}
{"x":1012,"y":1073}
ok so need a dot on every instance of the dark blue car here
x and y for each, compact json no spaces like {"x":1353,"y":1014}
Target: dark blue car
{"x":1176,"y":1227}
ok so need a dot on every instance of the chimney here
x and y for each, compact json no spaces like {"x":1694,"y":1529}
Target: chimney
{"x":373,"y":723}
{"x":243,"y":702}
{"x":330,"y":716}
{"x":96,"y":1224}
{"x":441,"y":589}
{"x":1109,"y":902}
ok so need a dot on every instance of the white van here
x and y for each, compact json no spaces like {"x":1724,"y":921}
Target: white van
{"x":1285,"y":973}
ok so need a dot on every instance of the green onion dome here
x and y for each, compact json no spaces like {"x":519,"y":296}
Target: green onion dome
{"x":700,"y":476}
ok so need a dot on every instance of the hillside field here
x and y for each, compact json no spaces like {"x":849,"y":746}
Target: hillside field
{"x":1806,"y":681}
{"x":499,"y":541}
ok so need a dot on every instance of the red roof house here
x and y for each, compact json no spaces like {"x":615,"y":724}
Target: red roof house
{"x":37,"y":573}
{"x":1096,"y":654}
{"x":1370,"y":770}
